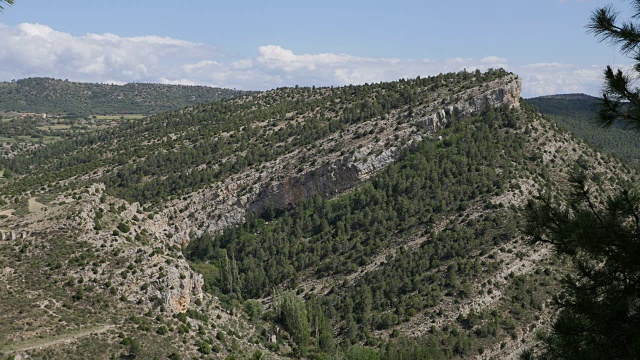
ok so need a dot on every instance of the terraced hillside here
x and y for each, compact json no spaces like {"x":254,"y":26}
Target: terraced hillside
{"x":380,"y":220}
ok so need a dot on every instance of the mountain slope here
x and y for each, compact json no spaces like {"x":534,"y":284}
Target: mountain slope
{"x":45,"y":95}
{"x":577,"y":114}
{"x":391,"y":209}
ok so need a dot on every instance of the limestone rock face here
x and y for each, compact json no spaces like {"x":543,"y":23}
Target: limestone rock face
{"x":345,"y":161}
{"x":505,"y":92}
{"x":347,"y":172}
{"x":182,"y":292}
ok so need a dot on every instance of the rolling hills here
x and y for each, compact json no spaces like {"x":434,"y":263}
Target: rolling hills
{"x":45,"y":95}
{"x":577,"y":113}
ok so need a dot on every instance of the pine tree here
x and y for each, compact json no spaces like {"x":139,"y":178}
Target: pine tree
{"x":292,"y":313}
{"x":599,"y":306}
{"x":7,"y":2}
{"x":620,"y":100}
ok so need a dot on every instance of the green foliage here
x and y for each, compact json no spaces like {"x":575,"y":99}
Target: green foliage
{"x":344,"y":232}
{"x":45,"y":95}
{"x":204,"y":347}
{"x":169,"y":149}
{"x":254,"y":309}
{"x":133,"y":346}
{"x":292,"y":314}
{"x":598,"y":304}
{"x":361,"y":353}
{"x":7,"y":2}
{"x":162,"y":330}
{"x":577,"y":113}
{"x":334,"y":237}
{"x":124,"y":228}
{"x":428,"y":195}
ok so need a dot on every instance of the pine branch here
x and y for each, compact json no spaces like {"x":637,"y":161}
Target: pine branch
{"x":8,"y":2}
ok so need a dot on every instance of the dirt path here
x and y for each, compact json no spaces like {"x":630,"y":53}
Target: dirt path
{"x":34,"y":205}
{"x":8,"y":212}
{"x":54,"y":340}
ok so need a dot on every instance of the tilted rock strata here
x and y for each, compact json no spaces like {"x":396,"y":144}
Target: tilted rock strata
{"x":226,"y":203}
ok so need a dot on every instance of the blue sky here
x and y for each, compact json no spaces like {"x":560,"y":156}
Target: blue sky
{"x":259,"y":45}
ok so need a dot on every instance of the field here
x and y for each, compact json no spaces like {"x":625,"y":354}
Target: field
{"x":19,"y":133}
{"x":119,"y":117}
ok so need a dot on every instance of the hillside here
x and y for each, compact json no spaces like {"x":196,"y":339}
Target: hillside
{"x":45,"y":95}
{"x":373,"y":221}
{"x":577,"y":114}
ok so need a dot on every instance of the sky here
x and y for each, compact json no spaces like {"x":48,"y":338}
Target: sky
{"x":260,"y":45}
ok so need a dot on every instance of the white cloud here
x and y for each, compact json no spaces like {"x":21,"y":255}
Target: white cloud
{"x":201,"y":65}
{"x":277,"y":57}
{"x":551,"y":65}
{"x":493,"y":60}
{"x":177,"y":81}
{"x":242,"y":64}
{"x":38,"y":50}
{"x":555,"y":78}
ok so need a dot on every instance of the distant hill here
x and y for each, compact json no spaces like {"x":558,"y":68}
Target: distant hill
{"x":577,"y":114}
{"x":66,"y":97}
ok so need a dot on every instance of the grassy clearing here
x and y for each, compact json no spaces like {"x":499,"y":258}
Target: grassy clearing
{"x":7,"y":140}
{"x":56,"y":127}
{"x":34,"y":205}
{"x":120,"y":117}
{"x":51,"y":139}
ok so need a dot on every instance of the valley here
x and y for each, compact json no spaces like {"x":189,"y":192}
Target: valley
{"x":378,"y":221}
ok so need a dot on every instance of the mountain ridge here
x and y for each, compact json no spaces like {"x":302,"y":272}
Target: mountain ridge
{"x":389,"y":211}
{"x":48,"y":95}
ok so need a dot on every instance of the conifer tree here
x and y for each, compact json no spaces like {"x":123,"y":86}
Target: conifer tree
{"x":599,"y":305}
{"x":5,"y":2}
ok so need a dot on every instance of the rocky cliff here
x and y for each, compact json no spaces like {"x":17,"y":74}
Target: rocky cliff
{"x":286,"y":181}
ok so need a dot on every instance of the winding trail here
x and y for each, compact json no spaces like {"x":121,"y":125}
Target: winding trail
{"x":54,"y":340}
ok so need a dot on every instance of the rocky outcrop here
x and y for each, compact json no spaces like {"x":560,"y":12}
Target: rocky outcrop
{"x":503,"y":92}
{"x":328,"y":181}
{"x":290,"y":179}
{"x":182,"y":292}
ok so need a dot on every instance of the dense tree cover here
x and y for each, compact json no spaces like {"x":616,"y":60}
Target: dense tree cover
{"x":12,"y":128}
{"x":31,"y":129}
{"x":181,"y":151}
{"x":599,"y":303}
{"x":577,"y":113}
{"x":432,"y":182}
{"x":599,"y":306}
{"x":45,"y":95}
{"x":292,"y":313}
{"x":335,"y":236}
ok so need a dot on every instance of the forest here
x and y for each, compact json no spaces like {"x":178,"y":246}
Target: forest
{"x":46,"y":95}
{"x":577,"y":113}
{"x":432,"y":184}
{"x":179,"y":152}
